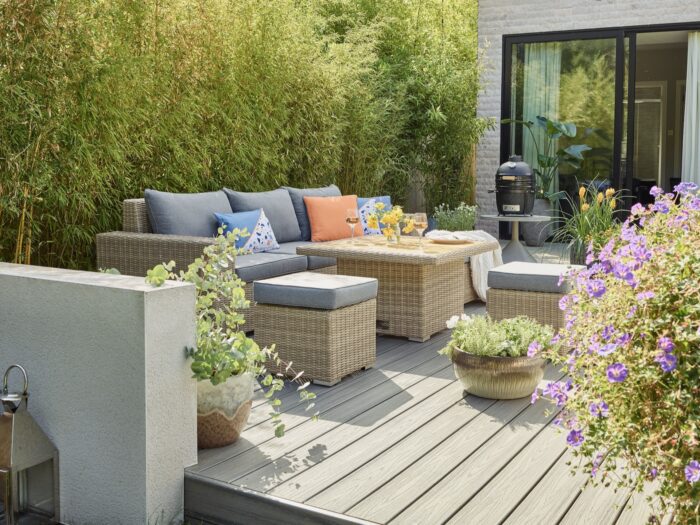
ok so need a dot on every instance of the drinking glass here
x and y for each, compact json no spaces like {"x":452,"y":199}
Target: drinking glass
{"x":420,"y":223}
{"x":351,"y":219}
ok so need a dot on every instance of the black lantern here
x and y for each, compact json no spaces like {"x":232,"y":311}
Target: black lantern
{"x":515,"y":187}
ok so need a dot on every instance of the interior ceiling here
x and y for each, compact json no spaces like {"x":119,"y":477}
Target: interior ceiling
{"x":662,"y":38}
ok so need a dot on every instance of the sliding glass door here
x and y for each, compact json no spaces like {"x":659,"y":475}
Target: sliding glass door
{"x":569,"y":81}
{"x":625,"y":89}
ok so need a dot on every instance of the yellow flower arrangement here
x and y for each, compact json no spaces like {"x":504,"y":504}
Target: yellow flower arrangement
{"x":391,"y":220}
{"x":609,"y":193}
{"x":600,"y":197}
{"x":581,"y":192}
{"x":585,"y":206}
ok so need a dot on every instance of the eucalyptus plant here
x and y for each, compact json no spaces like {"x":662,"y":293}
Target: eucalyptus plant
{"x":549,"y":157}
{"x":223,"y":349}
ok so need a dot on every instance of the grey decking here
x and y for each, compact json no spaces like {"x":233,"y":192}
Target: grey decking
{"x":401,"y":444}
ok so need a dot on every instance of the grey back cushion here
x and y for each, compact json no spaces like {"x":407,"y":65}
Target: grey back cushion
{"x":298,"y":194}
{"x":185,"y":213}
{"x":277,"y":206}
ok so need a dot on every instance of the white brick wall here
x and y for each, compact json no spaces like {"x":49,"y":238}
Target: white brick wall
{"x":499,"y":17}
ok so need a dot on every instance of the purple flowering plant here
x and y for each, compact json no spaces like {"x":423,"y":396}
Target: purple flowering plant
{"x":633,"y":335}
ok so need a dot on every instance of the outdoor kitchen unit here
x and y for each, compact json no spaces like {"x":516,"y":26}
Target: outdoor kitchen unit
{"x":28,"y":461}
{"x":515,"y":187}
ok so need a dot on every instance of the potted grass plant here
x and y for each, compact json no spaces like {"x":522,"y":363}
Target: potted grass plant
{"x":591,"y":221}
{"x":226,"y":362}
{"x":497,"y":359}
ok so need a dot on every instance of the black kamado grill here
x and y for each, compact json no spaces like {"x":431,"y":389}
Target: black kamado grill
{"x":515,"y":187}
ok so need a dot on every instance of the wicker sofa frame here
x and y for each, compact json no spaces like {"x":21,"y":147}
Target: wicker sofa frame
{"x":136,"y":249}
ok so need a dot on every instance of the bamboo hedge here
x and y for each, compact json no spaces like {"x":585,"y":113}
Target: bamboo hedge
{"x":101,"y":99}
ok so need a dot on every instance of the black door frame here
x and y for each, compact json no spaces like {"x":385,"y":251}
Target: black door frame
{"x":626,"y":34}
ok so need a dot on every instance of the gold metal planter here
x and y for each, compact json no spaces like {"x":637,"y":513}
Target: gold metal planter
{"x":498,"y":377}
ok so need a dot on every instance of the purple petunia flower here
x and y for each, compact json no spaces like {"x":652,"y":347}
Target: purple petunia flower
{"x":597,"y":461}
{"x":661,"y":207}
{"x":599,"y":409}
{"x":623,"y":339}
{"x":607,"y":349}
{"x":655,"y":191}
{"x":534,"y":347}
{"x":653,"y":472}
{"x":564,"y":303}
{"x":632,"y":312}
{"x":641,"y":296}
{"x":556,"y":391}
{"x":667,"y":361}
{"x":616,"y":373}
{"x":534,"y":397}
{"x":694,"y":204}
{"x":595,"y":288}
{"x":685,"y":187}
{"x":666,"y":344}
{"x":575,"y":438}
{"x":637,"y":209}
{"x":692,"y":472}
{"x":607,"y":332}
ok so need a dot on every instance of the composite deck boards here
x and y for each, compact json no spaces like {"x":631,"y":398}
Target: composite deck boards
{"x":402,"y":443}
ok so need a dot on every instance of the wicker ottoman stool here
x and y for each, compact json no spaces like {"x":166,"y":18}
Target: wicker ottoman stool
{"x":324,"y":324}
{"x":530,"y":289}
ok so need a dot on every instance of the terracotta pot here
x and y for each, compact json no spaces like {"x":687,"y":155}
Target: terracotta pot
{"x":223,"y":410}
{"x":498,"y":377}
{"x":536,"y":233}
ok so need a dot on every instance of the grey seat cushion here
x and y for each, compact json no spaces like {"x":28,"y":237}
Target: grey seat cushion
{"x":265,"y":265}
{"x":185,"y":213}
{"x":531,"y":277}
{"x":277,"y":205}
{"x":315,"y":262}
{"x":298,"y":194}
{"x":315,"y":290}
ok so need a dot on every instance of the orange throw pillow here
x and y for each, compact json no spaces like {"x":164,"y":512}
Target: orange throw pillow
{"x":327,"y":217}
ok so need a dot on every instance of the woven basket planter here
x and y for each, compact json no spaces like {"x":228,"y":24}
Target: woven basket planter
{"x":498,"y":377}
{"x":223,"y":410}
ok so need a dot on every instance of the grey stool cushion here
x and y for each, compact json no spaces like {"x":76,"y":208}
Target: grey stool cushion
{"x":315,"y":262}
{"x":278,"y":208}
{"x":315,"y":290}
{"x":530,"y":277}
{"x":185,"y":213}
{"x":298,"y":194}
{"x":264,"y":265}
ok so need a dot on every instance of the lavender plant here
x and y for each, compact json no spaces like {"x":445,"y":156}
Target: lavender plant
{"x":631,"y":408}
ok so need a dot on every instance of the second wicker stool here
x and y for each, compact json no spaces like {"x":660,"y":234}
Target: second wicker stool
{"x":324,"y":324}
{"x":530,"y":289}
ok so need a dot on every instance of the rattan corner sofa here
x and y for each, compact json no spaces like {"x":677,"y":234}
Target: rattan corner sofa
{"x":136,"y":249}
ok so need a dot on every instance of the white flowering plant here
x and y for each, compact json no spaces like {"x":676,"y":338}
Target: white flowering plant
{"x":481,"y":335}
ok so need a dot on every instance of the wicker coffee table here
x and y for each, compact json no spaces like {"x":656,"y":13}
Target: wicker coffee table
{"x":419,"y":289}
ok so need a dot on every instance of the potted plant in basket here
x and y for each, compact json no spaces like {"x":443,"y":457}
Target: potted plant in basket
{"x":225,"y":362}
{"x":546,"y":167}
{"x":497,"y":359}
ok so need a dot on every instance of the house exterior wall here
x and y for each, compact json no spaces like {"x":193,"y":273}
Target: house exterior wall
{"x":499,"y":17}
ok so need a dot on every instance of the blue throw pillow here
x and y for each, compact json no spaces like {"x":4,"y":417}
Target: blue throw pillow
{"x":366,"y":208}
{"x":261,"y":239}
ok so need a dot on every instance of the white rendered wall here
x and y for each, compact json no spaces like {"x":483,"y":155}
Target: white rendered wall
{"x":510,"y":17}
{"x":110,"y":385}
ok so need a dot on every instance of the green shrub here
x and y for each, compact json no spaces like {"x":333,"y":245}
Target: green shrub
{"x":632,"y":407}
{"x":481,"y":335}
{"x":100,"y":100}
{"x":460,"y":218}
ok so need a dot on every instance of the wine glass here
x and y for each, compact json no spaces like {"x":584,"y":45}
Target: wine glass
{"x":351,"y":219}
{"x":420,"y":223}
